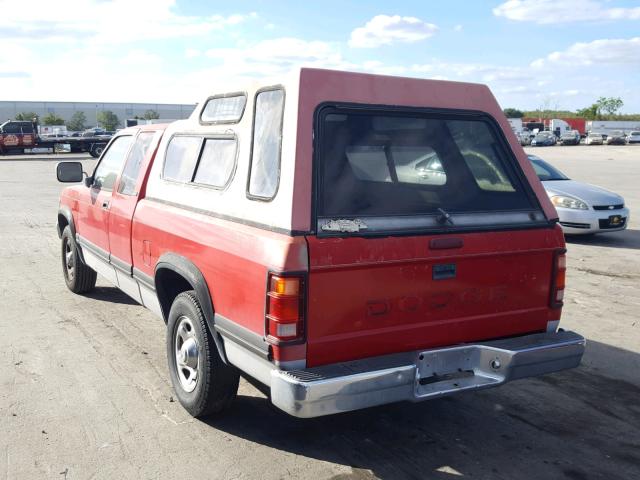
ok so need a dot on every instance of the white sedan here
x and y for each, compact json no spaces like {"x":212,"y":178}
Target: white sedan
{"x":582,"y":208}
{"x":594,"y":138}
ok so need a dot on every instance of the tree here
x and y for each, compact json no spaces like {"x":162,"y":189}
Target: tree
{"x":151,"y":115}
{"x":590,"y":113}
{"x":27,"y":116}
{"x":610,"y":105}
{"x":52,"y":119}
{"x":513,"y":113}
{"x":108,"y":120}
{"x":78,"y":122}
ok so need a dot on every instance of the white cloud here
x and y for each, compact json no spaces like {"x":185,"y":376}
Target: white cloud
{"x":276,"y":57}
{"x":563,"y":11}
{"x":192,"y":53}
{"x":457,"y":28}
{"x":105,"y":21}
{"x":616,"y":51}
{"x":140,"y":56}
{"x":387,"y":30}
{"x":473,"y":72}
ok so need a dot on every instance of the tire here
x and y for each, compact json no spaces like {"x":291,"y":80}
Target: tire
{"x":96,"y":150}
{"x":203,"y":383}
{"x":79,"y":277}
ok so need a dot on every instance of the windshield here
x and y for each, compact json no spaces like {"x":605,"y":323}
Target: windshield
{"x":545,"y":171}
{"x":377,"y":163}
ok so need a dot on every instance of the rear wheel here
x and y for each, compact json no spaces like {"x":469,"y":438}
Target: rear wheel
{"x":203,"y":383}
{"x":79,"y":277}
{"x":96,"y":150}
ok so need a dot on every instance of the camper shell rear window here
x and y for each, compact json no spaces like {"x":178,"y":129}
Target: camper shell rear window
{"x":382,"y":170}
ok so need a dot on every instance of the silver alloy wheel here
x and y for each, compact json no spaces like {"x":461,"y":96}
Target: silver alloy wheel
{"x":186,"y":353}
{"x":68,"y":259}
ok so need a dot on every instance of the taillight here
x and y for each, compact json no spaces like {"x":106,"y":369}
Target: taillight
{"x":285,"y":308}
{"x":559,"y":276}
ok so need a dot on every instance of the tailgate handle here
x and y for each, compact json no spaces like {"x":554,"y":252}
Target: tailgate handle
{"x":445,"y":243}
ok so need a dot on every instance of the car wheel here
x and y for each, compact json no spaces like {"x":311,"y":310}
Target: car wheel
{"x":80,"y":278}
{"x":203,"y":383}
{"x":96,"y":151}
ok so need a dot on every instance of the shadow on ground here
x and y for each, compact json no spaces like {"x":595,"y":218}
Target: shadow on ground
{"x":111,"y":295}
{"x":623,"y":239}
{"x":579,"y":424}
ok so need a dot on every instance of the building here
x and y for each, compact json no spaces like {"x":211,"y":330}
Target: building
{"x":65,"y":110}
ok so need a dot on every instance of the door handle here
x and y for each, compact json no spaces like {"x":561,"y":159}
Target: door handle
{"x":105,"y":205}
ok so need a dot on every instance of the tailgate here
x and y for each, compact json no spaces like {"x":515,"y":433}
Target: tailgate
{"x":374,"y":296}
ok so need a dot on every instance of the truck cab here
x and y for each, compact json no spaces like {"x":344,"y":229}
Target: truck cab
{"x":16,"y":135}
{"x":346,"y":240}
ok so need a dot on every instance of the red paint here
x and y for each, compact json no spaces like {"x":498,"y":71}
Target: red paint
{"x":376,"y":296}
{"x":123,"y":206}
{"x":92,"y":216}
{"x":233,"y":258}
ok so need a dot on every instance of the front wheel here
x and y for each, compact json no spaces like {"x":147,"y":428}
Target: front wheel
{"x":79,"y":277}
{"x":203,"y":383}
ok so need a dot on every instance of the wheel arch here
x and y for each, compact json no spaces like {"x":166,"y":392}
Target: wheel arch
{"x":175,"y":274}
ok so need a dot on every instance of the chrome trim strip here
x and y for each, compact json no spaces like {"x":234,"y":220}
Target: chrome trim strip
{"x":241,"y":335}
{"x":101,"y":265}
{"x":248,"y":362}
{"x":150,"y":299}
{"x":95,"y":249}
{"x":120,"y":264}
{"x":144,"y":279}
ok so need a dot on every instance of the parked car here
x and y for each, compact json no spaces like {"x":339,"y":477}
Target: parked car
{"x":634,"y":137}
{"x":544,"y":139}
{"x":357,"y":241}
{"x":617,"y":137}
{"x":572,"y":137}
{"x":524,"y":137}
{"x":594,"y":138}
{"x":582,"y":208}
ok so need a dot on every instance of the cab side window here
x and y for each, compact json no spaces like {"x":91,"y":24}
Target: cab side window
{"x":104,"y":177}
{"x":217,"y":162}
{"x":181,"y":157}
{"x":134,"y":162}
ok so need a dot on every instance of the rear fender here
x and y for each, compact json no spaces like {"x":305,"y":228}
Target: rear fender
{"x":188,"y":270}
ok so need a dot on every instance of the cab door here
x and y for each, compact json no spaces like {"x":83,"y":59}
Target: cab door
{"x":93,"y":208}
{"x":125,"y":197}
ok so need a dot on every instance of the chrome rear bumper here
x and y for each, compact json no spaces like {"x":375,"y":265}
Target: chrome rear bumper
{"x":421,"y":375}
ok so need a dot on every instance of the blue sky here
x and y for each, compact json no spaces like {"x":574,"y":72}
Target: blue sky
{"x":532,"y":53}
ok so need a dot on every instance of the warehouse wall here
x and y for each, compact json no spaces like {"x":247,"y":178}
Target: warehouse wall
{"x":9,"y":109}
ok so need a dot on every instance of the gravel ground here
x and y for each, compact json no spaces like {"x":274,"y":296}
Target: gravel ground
{"x":84,"y":390}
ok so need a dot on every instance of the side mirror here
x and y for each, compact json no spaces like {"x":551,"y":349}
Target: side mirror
{"x":69,"y":172}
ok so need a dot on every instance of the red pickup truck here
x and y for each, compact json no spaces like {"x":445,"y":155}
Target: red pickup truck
{"x":344,"y":240}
